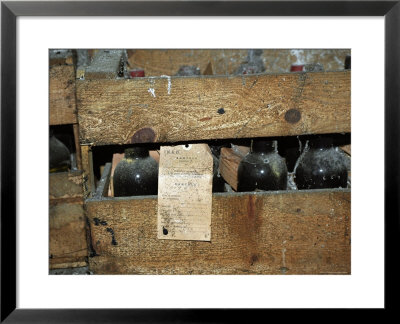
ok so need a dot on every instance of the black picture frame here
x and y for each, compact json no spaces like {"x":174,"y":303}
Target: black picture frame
{"x":10,"y":10}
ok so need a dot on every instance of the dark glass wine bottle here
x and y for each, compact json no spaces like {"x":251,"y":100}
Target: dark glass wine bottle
{"x":263,"y":168}
{"x":136,"y":174}
{"x":321,"y":166}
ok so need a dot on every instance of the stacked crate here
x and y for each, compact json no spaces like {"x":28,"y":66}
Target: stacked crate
{"x":67,"y":223}
{"x":280,"y":232}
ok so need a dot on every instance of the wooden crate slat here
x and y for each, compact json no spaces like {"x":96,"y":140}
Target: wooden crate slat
{"x":212,"y":107}
{"x":67,"y":241}
{"x":64,"y":185}
{"x":62,"y":100}
{"x":294,"y":232}
{"x":67,"y":223}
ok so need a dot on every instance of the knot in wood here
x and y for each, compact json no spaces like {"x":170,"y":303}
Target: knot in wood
{"x":292,"y":116}
{"x":144,"y":135}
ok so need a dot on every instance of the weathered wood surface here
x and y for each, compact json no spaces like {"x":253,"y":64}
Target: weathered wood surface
{"x":65,"y":185}
{"x":67,"y":225}
{"x":61,"y":57}
{"x":288,"y":232}
{"x":158,"y":62}
{"x":229,"y":164}
{"x":77,"y":146}
{"x":186,"y":108}
{"x":62,"y":100}
{"x":67,"y":235}
{"x":346,"y":148}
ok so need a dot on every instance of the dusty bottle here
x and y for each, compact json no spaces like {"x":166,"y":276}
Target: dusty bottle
{"x":263,"y":168}
{"x":136,"y":174}
{"x":321,"y":166}
{"x":59,"y":155}
{"x":188,"y":70}
{"x":253,"y":64}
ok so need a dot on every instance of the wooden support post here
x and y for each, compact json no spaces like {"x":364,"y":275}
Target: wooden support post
{"x":77,"y":147}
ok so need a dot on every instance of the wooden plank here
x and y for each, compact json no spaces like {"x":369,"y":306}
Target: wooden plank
{"x":77,"y":147}
{"x":229,"y":164}
{"x":61,"y":57}
{"x":291,"y":232}
{"x":269,"y":233}
{"x":62,"y":99}
{"x":67,"y":225}
{"x":212,"y":107}
{"x":346,"y":148}
{"x":64,"y":263}
{"x":65,"y":185}
{"x":67,"y":235}
{"x":86,"y":170}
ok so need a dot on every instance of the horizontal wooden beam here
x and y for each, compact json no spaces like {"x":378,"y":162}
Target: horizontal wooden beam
{"x":171,"y":109}
{"x":282,"y":232}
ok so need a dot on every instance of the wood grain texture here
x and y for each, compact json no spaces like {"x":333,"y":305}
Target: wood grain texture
{"x":229,"y":164}
{"x":186,"y":108}
{"x":288,"y":232}
{"x":77,"y":146}
{"x":346,"y":148}
{"x":67,"y":263}
{"x":67,"y":235}
{"x":61,"y":57}
{"x":62,"y":100}
{"x":67,"y":223}
{"x":65,"y":185}
{"x":87,"y":189}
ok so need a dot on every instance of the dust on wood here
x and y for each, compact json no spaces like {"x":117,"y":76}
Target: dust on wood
{"x":229,"y":164}
{"x":67,"y":234}
{"x":62,"y":99}
{"x":299,"y":232}
{"x":65,"y":185}
{"x":186,"y":108}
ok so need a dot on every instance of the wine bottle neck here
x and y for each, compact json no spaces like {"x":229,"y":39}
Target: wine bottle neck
{"x":263,"y":146}
{"x":321,"y":142}
{"x":136,"y":152}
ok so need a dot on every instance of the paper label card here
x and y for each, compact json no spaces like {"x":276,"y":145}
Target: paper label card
{"x":185,"y":192}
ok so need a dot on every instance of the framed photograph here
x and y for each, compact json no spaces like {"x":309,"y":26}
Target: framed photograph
{"x":185,"y":73}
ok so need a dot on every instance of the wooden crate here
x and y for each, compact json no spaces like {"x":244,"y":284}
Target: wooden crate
{"x":284,"y":232}
{"x":67,"y":222}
